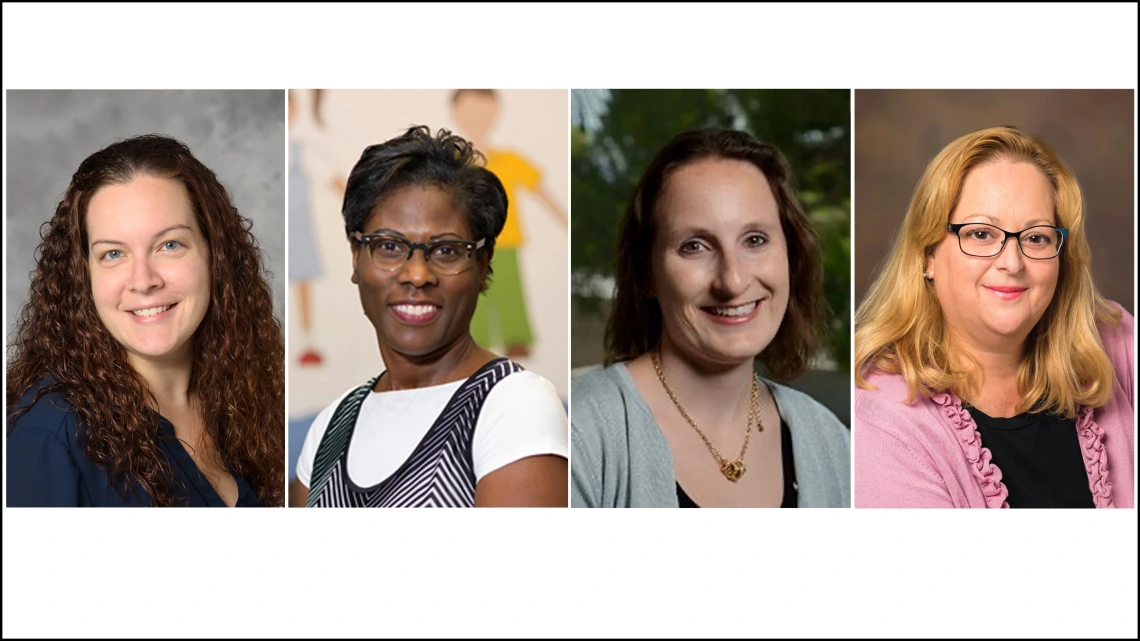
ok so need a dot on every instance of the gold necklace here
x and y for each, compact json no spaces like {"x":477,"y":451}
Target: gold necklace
{"x":732,"y":470}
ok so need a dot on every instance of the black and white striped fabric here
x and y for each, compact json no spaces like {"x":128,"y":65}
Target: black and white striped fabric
{"x":439,"y":473}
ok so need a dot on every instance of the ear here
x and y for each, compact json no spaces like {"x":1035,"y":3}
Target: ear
{"x":485,"y":267}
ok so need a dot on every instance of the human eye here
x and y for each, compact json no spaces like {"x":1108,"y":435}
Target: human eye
{"x":447,"y":252}
{"x":691,"y":248}
{"x":172,"y":245}
{"x":1039,"y":238}
{"x":110,"y":255}
{"x":755,"y":241}
{"x":388,"y":247}
{"x":979,"y":233}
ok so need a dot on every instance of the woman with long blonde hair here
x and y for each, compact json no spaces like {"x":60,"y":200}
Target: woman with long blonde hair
{"x":990,"y":371}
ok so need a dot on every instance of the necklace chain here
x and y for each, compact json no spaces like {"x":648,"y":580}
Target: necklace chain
{"x":732,"y":470}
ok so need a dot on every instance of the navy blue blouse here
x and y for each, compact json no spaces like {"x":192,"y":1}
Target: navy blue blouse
{"x":47,"y":466}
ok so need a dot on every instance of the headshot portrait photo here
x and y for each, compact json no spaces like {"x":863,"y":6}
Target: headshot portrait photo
{"x":144,"y":292}
{"x":994,"y":334}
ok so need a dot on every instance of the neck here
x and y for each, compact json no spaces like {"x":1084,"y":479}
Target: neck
{"x":446,"y":365}
{"x":995,"y":375}
{"x":996,"y":363}
{"x":720,"y":394}
{"x":168,"y":380}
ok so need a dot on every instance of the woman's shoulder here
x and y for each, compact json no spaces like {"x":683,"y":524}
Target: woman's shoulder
{"x":50,"y":414}
{"x":601,"y":382}
{"x":795,"y":401}
{"x":884,"y":392}
{"x":886,"y":408}
{"x":802,"y":412}
{"x":525,"y":390}
{"x":605,"y":400}
{"x":1118,"y":337}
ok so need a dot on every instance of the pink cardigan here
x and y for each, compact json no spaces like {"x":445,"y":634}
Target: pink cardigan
{"x":929,"y":453}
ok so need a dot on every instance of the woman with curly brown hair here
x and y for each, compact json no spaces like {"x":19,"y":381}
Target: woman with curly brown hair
{"x":147,"y":366}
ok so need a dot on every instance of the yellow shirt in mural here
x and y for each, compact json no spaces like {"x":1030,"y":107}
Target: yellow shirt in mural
{"x":513,"y":170}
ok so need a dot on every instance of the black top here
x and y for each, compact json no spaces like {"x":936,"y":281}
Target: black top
{"x":47,"y":466}
{"x":791,"y":488}
{"x":1039,"y":456}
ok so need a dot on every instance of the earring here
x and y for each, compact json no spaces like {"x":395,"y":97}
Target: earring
{"x":926,"y":275}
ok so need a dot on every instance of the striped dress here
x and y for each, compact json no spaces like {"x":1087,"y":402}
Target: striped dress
{"x":440,"y":471}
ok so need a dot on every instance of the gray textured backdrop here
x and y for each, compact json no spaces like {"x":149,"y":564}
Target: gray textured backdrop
{"x":238,"y":134}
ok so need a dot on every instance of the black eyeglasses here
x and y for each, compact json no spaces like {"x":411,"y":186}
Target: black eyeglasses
{"x":446,"y":257}
{"x":1040,"y":242}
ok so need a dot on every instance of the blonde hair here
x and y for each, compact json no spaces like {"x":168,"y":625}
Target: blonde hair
{"x":899,"y":326}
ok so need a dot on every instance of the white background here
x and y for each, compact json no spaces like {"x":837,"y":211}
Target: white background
{"x":865,"y":573}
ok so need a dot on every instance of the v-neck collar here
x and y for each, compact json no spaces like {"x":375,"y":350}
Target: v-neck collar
{"x":198,"y":483}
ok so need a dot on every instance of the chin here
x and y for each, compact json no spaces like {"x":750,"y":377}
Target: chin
{"x":153,"y":353}
{"x":729,"y":356}
{"x":1011,"y":326}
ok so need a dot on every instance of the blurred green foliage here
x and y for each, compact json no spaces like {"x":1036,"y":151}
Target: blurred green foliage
{"x":616,"y":132}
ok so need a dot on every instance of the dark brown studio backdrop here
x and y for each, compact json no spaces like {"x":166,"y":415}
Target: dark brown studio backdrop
{"x":897,"y":132}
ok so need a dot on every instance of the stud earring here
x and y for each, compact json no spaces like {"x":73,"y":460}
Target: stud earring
{"x":926,"y":275}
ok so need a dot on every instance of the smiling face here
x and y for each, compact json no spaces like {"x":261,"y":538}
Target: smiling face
{"x":417,"y":312}
{"x":149,"y":266}
{"x":720,"y":262}
{"x":993,"y":303}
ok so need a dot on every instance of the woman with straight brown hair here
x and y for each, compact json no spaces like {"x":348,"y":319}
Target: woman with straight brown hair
{"x":718,"y":268}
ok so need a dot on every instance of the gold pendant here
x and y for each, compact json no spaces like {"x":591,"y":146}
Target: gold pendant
{"x":732,"y":470}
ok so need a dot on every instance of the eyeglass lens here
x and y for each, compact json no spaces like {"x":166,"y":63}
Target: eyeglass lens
{"x":444,"y":256}
{"x":987,"y":240}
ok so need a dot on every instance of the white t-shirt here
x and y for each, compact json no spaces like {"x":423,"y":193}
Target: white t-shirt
{"x":522,"y":416}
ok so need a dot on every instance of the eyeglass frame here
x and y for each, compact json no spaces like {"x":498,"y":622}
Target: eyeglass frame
{"x":955,"y":228}
{"x":471,"y":246}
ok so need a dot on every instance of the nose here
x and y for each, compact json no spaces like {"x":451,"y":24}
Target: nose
{"x":144,"y":277}
{"x":1010,"y":259}
{"x":417,"y":271}
{"x":730,"y":279}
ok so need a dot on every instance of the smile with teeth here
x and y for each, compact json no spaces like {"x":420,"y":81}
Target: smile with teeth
{"x":731,"y":312}
{"x":412,"y":312}
{"x":151,"y":311}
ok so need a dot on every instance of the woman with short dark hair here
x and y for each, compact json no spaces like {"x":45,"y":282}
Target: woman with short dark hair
{"x":448,"y":424}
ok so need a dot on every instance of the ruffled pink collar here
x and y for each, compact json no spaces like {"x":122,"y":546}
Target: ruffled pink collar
{"x":988,"y":474}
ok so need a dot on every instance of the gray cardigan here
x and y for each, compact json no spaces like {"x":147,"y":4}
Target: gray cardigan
{"x":620,"y":458}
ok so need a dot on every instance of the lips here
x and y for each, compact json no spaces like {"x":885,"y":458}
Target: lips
{"x":415,"y":312}
{"x":732,"y":314}
{"x":151,"y":313}
{"x":1005,"y":292}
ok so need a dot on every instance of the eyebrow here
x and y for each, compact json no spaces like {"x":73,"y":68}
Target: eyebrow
{"x":1033,"y":223}
{"x":388,"y":230}
{"x":749,"y":226}
{"x":156,"y":235}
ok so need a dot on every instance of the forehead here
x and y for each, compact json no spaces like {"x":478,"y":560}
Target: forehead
{"x":717,"y":192}
{"x":143,"y":204}
{"x":1006,"y":192}
{"x":419,"y":210}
